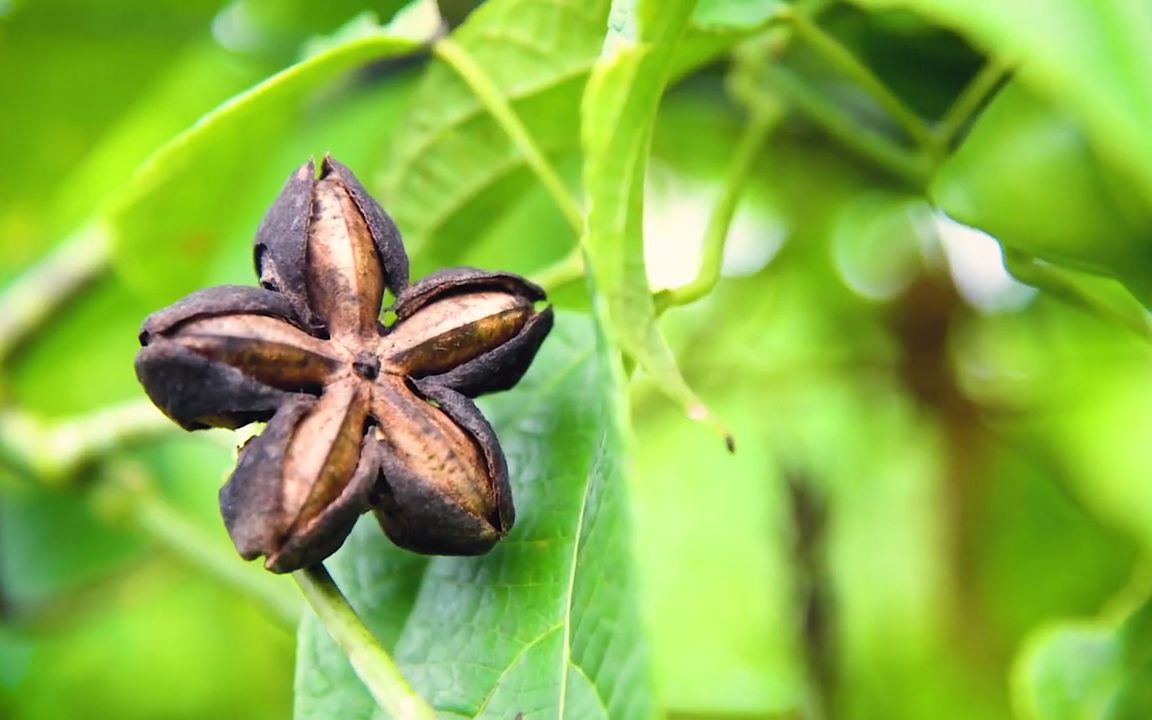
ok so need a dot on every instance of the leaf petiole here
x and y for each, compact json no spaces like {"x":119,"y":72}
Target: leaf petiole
{"x":489,"y":94}
{"x":760,"y":125}
{"x":986,"y":80}
{"x":843,"y":60}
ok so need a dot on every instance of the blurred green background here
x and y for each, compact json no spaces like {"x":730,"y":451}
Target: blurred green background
{"x":940,"y":504}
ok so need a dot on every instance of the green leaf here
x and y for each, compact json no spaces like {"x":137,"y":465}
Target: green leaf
{"x":741,"y":661}
{"x":1090,"y":58}
{"x":618,"y":115}
{"x":547,"y":623}
{"x":1026,"y":175}
{"x":1082,"y":671}
{"x":734,"y":14}
{"x":71,"y":69}
{"x":454,"y":170}
{"x":203,"y":76}
{"x":1103,"y":297}
{"x":170,"y":215}
{"x":1068,"y":673}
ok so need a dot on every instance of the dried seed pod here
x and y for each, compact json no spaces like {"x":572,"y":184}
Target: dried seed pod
{"x":486,"y":322}
{"x":444,"y":487}
{"x":361,"y":415}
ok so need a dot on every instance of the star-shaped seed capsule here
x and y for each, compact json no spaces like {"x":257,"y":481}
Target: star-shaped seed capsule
{"x":360,"y":415}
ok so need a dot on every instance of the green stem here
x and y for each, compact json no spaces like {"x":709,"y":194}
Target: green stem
{"x":37,"y":293}
{"x":372,"y":663}
{"x":842,"y":59}
{"x":969,"y":100}
{"x":748,"y":149}
{"x":54,"y":453}
{"x":877,"y":148}
{"x":490,"y":95}
{"x":171,"y":528}
{"x":567,"y":269}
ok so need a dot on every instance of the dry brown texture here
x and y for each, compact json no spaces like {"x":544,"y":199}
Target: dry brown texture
{"x":425,"y":441}
{"x":344,"y":278}
{"x":310,"y":353}
{"x":324,"y":451}
{"x":450,"y":332}
{"x":264,"y":348}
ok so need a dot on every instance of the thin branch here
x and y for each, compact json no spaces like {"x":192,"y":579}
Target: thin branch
{"x":751,"y":142}
{"x":369,"y":659}
{"x":29,"y":301}
{"x":172,"y":529}
{"x":842,"y":59}
{"x":490,"y":95}
{"x":52,"y":453}
{"x":956,"y":117}
{"x":877,"y":148}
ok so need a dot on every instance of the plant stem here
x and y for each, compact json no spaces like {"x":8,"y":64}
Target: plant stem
{"x":877,"y":148}
{"x":53,"y":453}
{"x":171,"y":528}
{"x":842,"y":59}
{"x":37,"y":293}
{"x":567,"y":269}
{"x":369,"y":659}
{"x":986,"y":79}
{"x":751,"y":142}
{"x":490,"y":95}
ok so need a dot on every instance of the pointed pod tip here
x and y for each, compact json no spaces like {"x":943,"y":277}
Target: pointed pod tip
{"x":307,"y":171}
{"x":327,"y":165}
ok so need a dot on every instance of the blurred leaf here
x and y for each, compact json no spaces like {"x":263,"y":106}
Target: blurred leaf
{"x":699,"y":545}
{"x":84,"y":359}
{"x":279,"y":27}
{"x":168,"y":218}
{"x":546,"y":624}
{"x":1103,"y":297}
{"x":618,"y":115}
{"x":1068,"y":673}
{"x":1025,"y":175}
{"x":160,"y":643}
{"x":51,"y":544}
{"x":454,"y":169}
{"x":202,"y":77}
{"x":70,"y":70}
{"x":1088,"y":671}
{"x":1089,"y":58}
{"x":733,"y":14}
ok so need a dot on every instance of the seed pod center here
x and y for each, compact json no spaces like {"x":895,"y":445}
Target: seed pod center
{"x":366,"y":365}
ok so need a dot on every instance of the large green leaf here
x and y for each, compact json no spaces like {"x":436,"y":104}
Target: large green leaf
{"x":618,"y":115}
{"x":171,"y":213}
{"x":70,"y":71}
{"x":1025,"y":175}
{"x":454,"y":169}
{"x":546,"y":624}
{"x":1090,"y":58}
{"x":203,"y":76}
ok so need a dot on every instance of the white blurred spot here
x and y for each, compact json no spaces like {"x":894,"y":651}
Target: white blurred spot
{"x":419,"y":20}
{"x":876,"y":243}
{"x":977,"y":267}
{"x":234,"y":29}
{"x":675,"y":219}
